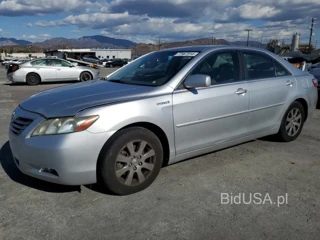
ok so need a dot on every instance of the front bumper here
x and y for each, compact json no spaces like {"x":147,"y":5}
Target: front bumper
{"x":68,"y":159}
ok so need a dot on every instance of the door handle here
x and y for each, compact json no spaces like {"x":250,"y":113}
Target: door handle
{"x":241,"y":91}
{"x":289,"y":83}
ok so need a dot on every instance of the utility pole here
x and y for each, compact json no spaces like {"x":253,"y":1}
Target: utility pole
{"x":159,"y":43}
{"x":311,"y":33}
{"x":213,"y":41}
{"x":248,"y":30}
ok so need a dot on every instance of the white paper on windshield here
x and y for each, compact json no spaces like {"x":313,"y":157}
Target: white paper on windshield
{"x":186,"y":54}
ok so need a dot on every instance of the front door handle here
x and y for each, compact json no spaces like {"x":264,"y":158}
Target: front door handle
{"x":289,"y":83}
{"x":241,"y":91}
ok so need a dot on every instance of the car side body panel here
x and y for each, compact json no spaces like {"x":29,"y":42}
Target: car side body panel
{"x":195,"y":121}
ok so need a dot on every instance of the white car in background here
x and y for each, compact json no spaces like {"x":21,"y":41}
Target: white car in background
{"x":49,"y":70}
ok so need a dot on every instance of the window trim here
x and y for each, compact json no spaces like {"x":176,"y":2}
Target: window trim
{"x":242,"y":79}
{"x":242,"y":52}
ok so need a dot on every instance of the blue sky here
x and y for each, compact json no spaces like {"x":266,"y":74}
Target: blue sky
{"x":147,"y":20}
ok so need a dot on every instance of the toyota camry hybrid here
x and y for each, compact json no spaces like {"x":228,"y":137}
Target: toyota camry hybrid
{"x":121,"y":130}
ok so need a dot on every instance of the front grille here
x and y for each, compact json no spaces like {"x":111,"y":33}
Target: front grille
{"x":19,"y":124}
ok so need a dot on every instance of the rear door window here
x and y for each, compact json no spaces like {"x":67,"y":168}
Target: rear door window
{"x":262,"y":66}
{"x":41,"y":62}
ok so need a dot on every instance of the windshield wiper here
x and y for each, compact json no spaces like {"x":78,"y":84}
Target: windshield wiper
{"x":118,"y":81}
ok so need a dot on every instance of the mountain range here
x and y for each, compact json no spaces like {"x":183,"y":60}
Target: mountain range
{"x":98,"y":41}
{"x":12,"y":42}
{"x":85,"y":41}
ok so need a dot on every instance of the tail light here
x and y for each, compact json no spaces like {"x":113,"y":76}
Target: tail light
{"x":15,"y":68}
{"x":315,"y":82}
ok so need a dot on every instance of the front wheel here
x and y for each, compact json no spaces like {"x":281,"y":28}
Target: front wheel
{"x":131,"y":162}
{"x":85,"y":76}
{"x":292,"y":123}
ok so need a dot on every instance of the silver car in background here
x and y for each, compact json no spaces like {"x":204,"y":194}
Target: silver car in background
{"x":49,"y":70}
{"x":162,"y":108}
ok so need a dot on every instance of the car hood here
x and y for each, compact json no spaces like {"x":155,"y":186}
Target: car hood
{"x":69,"y":100}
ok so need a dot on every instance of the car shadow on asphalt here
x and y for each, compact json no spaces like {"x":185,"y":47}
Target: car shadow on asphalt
{"x":16,"y":175}
{"x":41,"y":84}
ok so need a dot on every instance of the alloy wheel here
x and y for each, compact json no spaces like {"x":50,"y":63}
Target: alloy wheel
{"x":293,"y":122}
{"x":135,"y":162}
{"x":85,"y":77}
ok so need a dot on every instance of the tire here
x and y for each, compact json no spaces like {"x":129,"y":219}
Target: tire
{"x":33,"y":79}
{"x":123,"y":171}
{"x":85,"y":76}
{"x":110,"y":65}
{"x":292,"y":123}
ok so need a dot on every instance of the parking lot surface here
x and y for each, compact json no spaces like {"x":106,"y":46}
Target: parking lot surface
{"x":185,"y":201}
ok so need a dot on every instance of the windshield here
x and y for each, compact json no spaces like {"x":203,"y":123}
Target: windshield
{"x":154,"y":69}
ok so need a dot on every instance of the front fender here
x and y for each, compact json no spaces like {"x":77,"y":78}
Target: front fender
{"x":155,"y":110}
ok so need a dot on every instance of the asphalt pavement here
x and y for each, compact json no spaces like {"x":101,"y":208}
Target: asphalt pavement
{"x":193,"y":199}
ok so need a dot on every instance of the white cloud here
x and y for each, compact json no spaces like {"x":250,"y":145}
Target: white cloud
{"x":95,"y":20}
{"x":36,"y":37}
{"x":173,"y":19}
{"x":30,"y":37}
{"x":252,"y":11}
{"x":36,"y":7}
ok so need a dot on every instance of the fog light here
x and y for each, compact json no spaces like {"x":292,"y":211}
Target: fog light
{"x":49,"y":170}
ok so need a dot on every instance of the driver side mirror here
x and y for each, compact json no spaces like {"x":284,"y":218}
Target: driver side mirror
{"x":198,"y":80}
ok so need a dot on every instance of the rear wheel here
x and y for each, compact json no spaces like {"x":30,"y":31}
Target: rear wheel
{"x":33,"y":79}
{"x":292,"y":123}
{"x":85,"y":76}
{"x":131,"y":162}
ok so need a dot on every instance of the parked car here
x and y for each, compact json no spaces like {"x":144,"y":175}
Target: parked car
{"x":119,"y":132}
{"x":106,"y":60}
{"x":5,"y":61}
{"x":48,"y":70}
{"x":116,"y":63}
{"x":315,"y":71}
{"x":91,"y":59}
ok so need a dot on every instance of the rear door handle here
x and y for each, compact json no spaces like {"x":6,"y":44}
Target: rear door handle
{"x":241,"y":91}
{"x":289,"y":83}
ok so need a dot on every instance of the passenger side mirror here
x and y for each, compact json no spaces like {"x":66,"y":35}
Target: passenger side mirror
{"x":198,"y":80}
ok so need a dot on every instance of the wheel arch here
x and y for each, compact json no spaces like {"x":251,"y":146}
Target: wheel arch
{"x":33,"y":73}
{"x":85,"y":71}
{"x":304,"y":103}
{"x":158,"y":131}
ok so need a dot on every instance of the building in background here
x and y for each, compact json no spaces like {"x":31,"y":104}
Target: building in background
{"x":22,"y":55}
{"x":100,"y":53}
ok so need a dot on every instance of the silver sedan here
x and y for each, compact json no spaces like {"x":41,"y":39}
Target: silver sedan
{"x":162,"y":108}
{"x":49,"y":70}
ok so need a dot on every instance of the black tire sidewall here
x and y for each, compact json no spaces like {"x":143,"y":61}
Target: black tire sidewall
{"x":283,"y":135}
{"x":33,"y":75}
{"x":83,"y":73}
{"x":106,"y":163}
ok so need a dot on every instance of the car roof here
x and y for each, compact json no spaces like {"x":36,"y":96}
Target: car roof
{"x":202,"y":48}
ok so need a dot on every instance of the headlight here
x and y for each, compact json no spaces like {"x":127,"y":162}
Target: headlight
{"x":64,"y":125}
